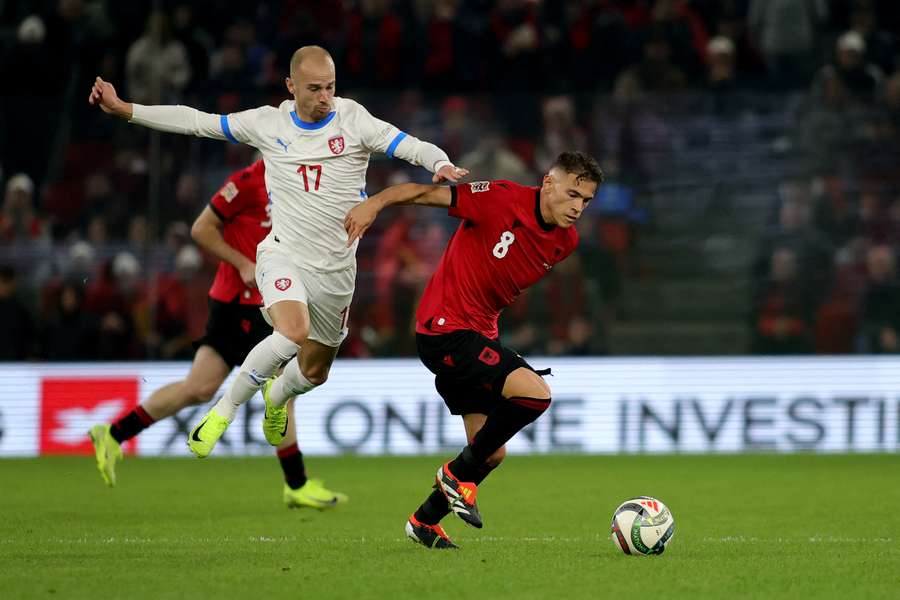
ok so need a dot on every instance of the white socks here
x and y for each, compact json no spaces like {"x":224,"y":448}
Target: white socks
{"x":289,"y":384}
{"x":260,"y":364}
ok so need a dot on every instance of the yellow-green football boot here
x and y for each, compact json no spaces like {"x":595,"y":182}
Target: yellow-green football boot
{"x":313,"y":494}
{"x":275,"y":419}
{"x":108,"y":452}
{"x":204,"y":436}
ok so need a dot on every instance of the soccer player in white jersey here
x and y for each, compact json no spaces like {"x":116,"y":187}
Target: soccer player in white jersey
{"x":316,"y":149}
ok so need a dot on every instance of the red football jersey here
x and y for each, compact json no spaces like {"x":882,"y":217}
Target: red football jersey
{"x":243,"y":205}
{"x":502,"y":246}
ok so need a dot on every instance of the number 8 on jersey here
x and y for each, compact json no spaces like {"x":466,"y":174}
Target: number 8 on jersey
{"x":502,"y":247}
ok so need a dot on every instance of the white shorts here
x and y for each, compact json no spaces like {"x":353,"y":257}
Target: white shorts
{"x":326,"y":295}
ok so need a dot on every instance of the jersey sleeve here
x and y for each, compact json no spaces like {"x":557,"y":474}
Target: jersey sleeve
{"x":246,"y":127}
{"x":375,"y":134}
{"x":478,"y":201}
{"x":380,"y":136}
{"x":231,"y":197}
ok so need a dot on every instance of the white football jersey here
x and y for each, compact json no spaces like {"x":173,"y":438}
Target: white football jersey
{"x":315,"y":173}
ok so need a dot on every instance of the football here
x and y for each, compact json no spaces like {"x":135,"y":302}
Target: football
{"x":642,"y":526}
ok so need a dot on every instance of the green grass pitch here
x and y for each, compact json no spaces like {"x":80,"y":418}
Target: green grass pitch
{"x":762,"y":526}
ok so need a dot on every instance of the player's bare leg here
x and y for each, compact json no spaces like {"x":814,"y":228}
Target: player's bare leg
{"x":290,"y":319}
{"x":300,"y":491}
{"x":207,"y":373}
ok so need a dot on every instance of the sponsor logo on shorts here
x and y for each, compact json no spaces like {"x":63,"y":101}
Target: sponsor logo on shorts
{"x":283,"y":283}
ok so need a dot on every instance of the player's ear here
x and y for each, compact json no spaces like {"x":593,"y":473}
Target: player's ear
{"x":547,"y":180}
{"x":289,"y":83}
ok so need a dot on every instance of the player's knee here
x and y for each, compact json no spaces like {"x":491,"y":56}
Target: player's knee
{"x":198,"y":392}
{"x":524,"y":382}
{"x":296,"y":332}
{"x":316,"y":375}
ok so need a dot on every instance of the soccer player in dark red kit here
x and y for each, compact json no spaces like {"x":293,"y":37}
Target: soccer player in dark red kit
{"x":511,"y":235}
{"x":230,"y":228}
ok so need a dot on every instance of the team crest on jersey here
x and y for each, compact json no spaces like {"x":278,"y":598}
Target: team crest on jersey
{"x":479,"y":186}
{"x":229,"y":191}
{"x":283,"y":283}
{"x":336,"y":144}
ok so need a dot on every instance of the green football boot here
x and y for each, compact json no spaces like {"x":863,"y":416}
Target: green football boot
{"x":108,"y":452}
{"x":275,"y":419}
{"x":204,"y":436}
{"x":313,"y":494}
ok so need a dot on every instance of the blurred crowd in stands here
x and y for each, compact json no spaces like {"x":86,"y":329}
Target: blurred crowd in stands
{"x":794,"y":101}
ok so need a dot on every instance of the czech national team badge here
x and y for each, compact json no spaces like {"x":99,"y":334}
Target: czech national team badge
{"x":336,"y":144}
{"x":283,"y":283}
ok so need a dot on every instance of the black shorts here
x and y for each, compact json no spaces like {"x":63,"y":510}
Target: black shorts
{"x":233,"y":329}
{"x":470,"y":369}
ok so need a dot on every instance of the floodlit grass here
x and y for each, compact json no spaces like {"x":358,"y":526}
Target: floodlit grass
{"x":764,"y":526}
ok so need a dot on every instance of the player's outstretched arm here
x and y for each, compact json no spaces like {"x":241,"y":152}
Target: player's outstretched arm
{"x":363,"y":214}
{"x":207,"y":232}
{"x":174,"y":119}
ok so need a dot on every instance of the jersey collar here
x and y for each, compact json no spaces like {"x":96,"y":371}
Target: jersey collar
{"x":316,"y":125}
{"x":537,"y":212}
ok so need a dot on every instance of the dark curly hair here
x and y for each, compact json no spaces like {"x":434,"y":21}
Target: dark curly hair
{"x":582,"y":165}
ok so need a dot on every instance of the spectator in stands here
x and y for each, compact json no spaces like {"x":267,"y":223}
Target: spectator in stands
{"x":379,"y":46}
{"x":783,"y":309}
{"x":195,"y":39}
{"x":685,"y":32}
{"x":492,"y":159}
{"x":561,"y":131}
{"x":880,"y":312}
{"x":157,"y":65}
{"x":721,"y":75}
{"x":785,"y":31}
{"x":655,"y":73}
{"x":881,"y":46}
{"x":19,"y":223}
{"x":795,"y":231}
{"x":515,"y":61}
{"x":181,"y":308}
{"x":118,"y":300}
{"x":70,"y":332}
{"x":443,"y":43}
{"x":408,"y":252}
{"x":861,"y":78}
{"x":16,"y":324}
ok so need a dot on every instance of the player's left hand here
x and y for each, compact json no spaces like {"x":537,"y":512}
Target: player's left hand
{"x":449,"y":173}
{"x":359,"y":219}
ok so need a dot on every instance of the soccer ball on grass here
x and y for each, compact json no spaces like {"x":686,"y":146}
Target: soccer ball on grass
{"x":642,"y":526}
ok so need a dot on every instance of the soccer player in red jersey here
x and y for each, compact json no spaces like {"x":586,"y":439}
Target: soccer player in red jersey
{"x":511,"y":235}
{"x":236,"y":220}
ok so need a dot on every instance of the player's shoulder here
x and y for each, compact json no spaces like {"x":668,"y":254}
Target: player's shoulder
{"x":502,"y":187}
{"x":511,"y":186}
{"x":266,"y":110}
{"x":347,"y":105}
{"x":350,"y":111}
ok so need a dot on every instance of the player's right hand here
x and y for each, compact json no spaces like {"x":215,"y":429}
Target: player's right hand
{"x":104,"y":94}
{"x":248,"y":274}
{"x":359,"y":219}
